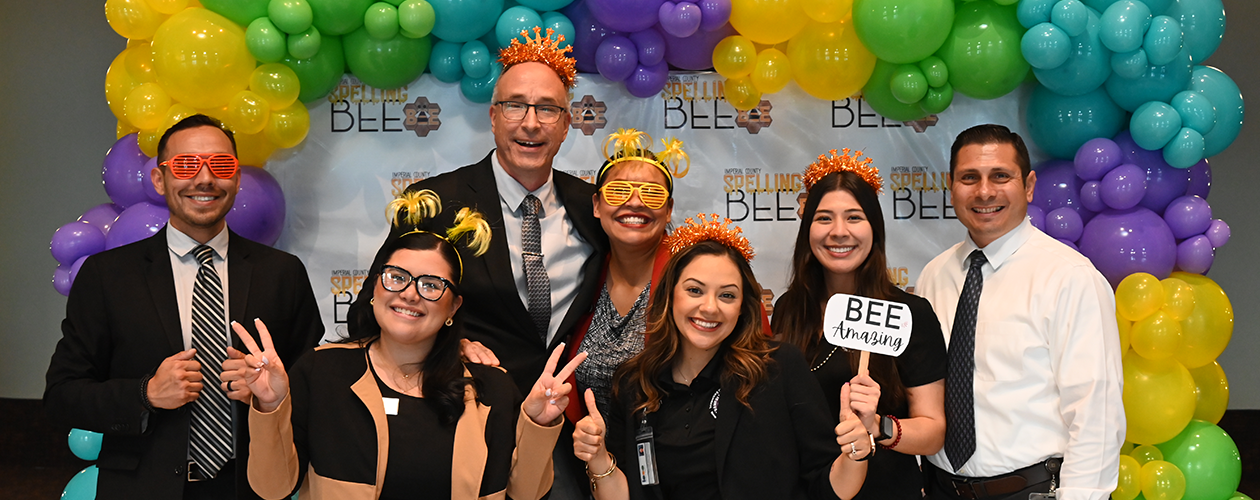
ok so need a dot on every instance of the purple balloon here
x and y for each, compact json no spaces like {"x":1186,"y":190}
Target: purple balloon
{"x":1064,"y":224}
{"x":616,"y":58}
{"x":74,"y":271}
{"x":1200,"y":179}
{"x":1195,"y":255}
{"x":1218,"y":233}
{"x":681,"y":20}
{"x":588,"y":33}
{"x":1123,"y":242}
{"x":102,"y":216}
{"x":1058,"y":186}
{"x":1037,"y":217}
{"x":259,"y":209}
{"x":1187,"y":216}
{"x":1123,"y":187}
{"x":696,"y":51}
{"x":1163,"y":181}
{"x":1091,"y":199}
{"x":149,"y":190}
{"x":651,"y":46}
{"x":625,"y":15}
{"x":1096,"y":157}
{"x":74,"y":240}
{"x":648,"y":81}
{"x":1071,"y":244}
{"x":123,"y":172}
{"x":714,"y":14}
{"x":61,"y":280}
{"x":136,"y":223}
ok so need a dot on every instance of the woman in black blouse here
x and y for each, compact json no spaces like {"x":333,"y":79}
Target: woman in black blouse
{"x":840,"y":249}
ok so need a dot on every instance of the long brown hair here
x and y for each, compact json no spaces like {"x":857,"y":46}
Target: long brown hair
{"x":798,"y":317}
{"x":747,"y":348}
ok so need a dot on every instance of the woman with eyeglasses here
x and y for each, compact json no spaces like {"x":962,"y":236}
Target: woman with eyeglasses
{"x":391,"y":411}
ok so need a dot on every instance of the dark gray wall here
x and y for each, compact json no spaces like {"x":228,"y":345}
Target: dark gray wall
{"x":55,"y":128}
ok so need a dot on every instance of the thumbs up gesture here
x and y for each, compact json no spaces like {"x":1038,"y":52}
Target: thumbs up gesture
{"x":851,"y":434}
{"x":588,"y":436}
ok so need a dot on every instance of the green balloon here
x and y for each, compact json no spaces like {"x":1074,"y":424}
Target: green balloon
{"x":291,"y":16}
{"x":320,"y":74}
{"x":386,"y":64}
{"x":878,"y":94}
{"x":339,"y":17}
{"x":903,"y":31}
{"x":983,"y":51}
{"x":935,"y":70}
{"x":265,"y":42}
{"x":937,"y":99}
{"x":908,"y":84}
{"x":416,"y":18}
{"x":381,"y":21}
{"x":1238,"y":495}
{"x":304,"y":45}
{"x":241,"y":12}
{"x":1209,"y":459}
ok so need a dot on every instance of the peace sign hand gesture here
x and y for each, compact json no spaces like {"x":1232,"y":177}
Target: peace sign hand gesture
{"x":550,"y":395}
{"x":263,"y":372}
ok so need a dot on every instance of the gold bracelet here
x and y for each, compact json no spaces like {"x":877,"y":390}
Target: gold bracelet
{"x":595,"y":477}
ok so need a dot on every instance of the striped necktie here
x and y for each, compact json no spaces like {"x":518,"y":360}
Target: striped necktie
{"x":210,"y":439}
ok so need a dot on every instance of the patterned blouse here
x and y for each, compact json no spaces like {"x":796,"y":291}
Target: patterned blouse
{"x":610,"y":341}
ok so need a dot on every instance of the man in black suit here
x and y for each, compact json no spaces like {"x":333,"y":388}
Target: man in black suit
{"x":126,"y":365}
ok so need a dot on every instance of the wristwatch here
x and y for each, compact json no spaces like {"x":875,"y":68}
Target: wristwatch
{"x":885,"y":428}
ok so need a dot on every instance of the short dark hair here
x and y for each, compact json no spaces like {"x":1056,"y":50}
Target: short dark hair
{"x":193,"y":121}
{"x":991,"y":134}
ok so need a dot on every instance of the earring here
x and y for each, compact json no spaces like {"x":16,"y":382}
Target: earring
{"x":372,"y":301}
{"x":450,"y":321}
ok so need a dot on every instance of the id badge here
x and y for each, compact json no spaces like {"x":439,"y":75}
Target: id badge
{"x":646,"y":451}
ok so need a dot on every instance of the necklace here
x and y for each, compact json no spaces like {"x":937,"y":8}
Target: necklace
{"x":824,"y":361}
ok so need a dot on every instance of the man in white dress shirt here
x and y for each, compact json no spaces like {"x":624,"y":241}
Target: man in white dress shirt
{"x":1035,"y":404}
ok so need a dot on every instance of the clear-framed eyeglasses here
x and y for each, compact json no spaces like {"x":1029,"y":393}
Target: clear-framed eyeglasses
{"x":545,"y":113}
{"x":428,"y":286}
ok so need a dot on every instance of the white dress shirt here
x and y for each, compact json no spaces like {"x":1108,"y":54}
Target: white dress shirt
{"x":184,"y":265}
{"x":1047,"y":375}
{"x":564,"y":250}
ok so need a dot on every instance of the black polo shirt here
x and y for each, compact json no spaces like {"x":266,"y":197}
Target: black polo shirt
{"x":684,"y":428}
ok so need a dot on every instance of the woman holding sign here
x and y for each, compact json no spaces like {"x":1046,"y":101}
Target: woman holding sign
{"x":840,"y":249}
{"x":391,"y":411}
{"x":712,"y":408}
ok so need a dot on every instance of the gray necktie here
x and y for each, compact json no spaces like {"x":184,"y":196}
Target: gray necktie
{"x":537,"y":285}
{"x":210,"y":438}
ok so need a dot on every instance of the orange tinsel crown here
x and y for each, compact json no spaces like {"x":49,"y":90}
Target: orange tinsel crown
{"x":542,"y":49}
{"x":715,"y":228}
{"x":843,"y":163}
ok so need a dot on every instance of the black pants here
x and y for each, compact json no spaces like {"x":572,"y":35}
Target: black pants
{"x":222,"y":487}
{"x":937,"y":485}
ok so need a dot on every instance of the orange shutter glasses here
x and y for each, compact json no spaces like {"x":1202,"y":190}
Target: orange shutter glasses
{"x":186,"y":166}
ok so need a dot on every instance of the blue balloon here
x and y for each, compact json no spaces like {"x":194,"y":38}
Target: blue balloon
{"x":1071,"y":15}
{"x":1215,"y":85}
{"x":1197,"y":111}
{"x":1153,"y":125}
{"x":85,"y":444}
{"x":1045,"y":46}
{"x":1033,"y":12}
{"x":1061,"y":124}
{"x":1087,"y":65}
{"x":545,"y":5}
{"x":444,"y":61}
{"x":1123,"y":25}
{"x":480,"y":90}
{"x":1158,"y":6}
{"x":82,"y":486}
{"x":1129,"y":64}
{"x":515,"y":20}
{"x":562,"y":26}
{"x":1185,"y":149}
{"x":1157,"y":83}
{"x":464,"y":20}
{"x":475,"y":59}
{"x":1202,"y":25}
{"x":1163,"y":40}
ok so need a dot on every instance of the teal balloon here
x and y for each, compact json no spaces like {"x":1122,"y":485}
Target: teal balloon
{"x":465,"y":20}
{"x":480,"y":90}
{"x":445,"y":62}
{"x":1070,"y":15}
{"x":513,"y":21}
{"x":1123,"y":25}
{"x":1156,"y":83}
{"x":265,"y":41}
{"x":1088,"y":64}
{"x":546,"y":5}
{"x":562,"y":26}
{"x":1197,"y":111}
{"x":1129,"y":64}
{"x":474,"y":58}
{"x":1061,"y":124}
{"x":1033,"y":12}
{"x":306,"y":44}
{"x":1163,"y":40}
{"x":937,"y":99}
{"x":1215,"y":85}
{"x":1158,"y":6}
{"x":1209,"y":459}
{"x":291,"y":16}
{"x":85,"y":444}
{"x":320,"y":74}
{"x":386,"y":64}
{"x":878,"y":94}
{"x":338,"y":17}
{"x":908,"y":84}
{"x":381,"y":21}
{"x":1154,"y":124}
{"x":1202,"y":25}
{"x":1099,"y":5}
{"x":1184,"y":150}
{"x":1045,"y":46}
{"x":983,"y":50}
{"x":903,"y":31}
{"x":241,"y":12}
{"x":935,"y":70}
{"x":82,"y":486}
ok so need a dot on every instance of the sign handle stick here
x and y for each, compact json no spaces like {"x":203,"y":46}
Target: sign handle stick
{"x":864,"y":361}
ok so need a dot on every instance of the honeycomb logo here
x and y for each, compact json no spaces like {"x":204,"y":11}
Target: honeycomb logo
{"x":755,"y":119}
{"x":921,"y":125}
{"x":588,"y":114}
{"x":421,"y":116}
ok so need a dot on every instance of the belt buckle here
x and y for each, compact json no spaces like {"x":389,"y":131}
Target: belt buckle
{"x":970,"y":489}
{"x":192,"y":468}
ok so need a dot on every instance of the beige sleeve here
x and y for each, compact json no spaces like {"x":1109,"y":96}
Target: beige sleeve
{"x":273,"y":460}
{"x":532,"y":472}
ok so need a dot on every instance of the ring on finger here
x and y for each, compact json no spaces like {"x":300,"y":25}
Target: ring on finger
{"x":229,"y":386}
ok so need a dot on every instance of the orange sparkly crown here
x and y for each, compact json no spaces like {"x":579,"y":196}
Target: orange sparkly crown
{"x":843,"y":163}
{"x":714,"y":228}
{"x":542,"y":49}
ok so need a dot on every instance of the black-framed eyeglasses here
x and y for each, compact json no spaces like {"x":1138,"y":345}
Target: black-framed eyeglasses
{"x":545,"y":113}
{"x":430,"y":287}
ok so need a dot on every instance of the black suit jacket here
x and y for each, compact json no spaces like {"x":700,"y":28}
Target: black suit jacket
{"x":493,"y":312}
{"x":122,"y":320}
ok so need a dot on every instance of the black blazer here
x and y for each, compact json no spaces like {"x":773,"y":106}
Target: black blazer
{"x":122,"y":320}
{"x":782,"y":448}
{"x":495,"y":314}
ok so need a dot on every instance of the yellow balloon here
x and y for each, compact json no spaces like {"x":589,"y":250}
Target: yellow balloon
{"x":1126,"y":332}
{"x":1157,"y":336}
{"x":1212,"y":392}
{"x":773,"y":71}
{"x":828,"y":60}
{"x":1127,"y":447}
{"x":168,"y":7}
{"x":1162,"y":481}
{"x":253,"y":149}
{"x":201,"y":58}
{"x":124,"y":128}
{"x":276,"y":83}
{"x":118,"y":85}
{"x":287,"y":127}
{"x":734,"y":57}
{"x":146,"y":106}
{"x":1139,"y":295}
{"x":1128,"y":486}
{"x":221,"y":113}
{"x":1207,"y":330}
{"x":1178,"y":298}
{"x":248,"y":113}
{"x":827,"y":11}
{"x":1158,"y":398}
{"x":133,"y":19}
{"x":148,"y":140}
{"x":1146,"y":453}
{"x":177,"y":112}
{"x":741,"y":93}
{"x":767,"y":21}
{"x":140,"y":62}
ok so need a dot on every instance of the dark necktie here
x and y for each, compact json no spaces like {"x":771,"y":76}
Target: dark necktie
{"x":210,"y":438}
{"x":960,"y":408}
{"x":537,"y":284}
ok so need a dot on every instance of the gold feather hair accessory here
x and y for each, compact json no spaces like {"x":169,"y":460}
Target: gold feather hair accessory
{"x":414,"y":207}
{"x":542,"y":49}
{"x":714,"y":228}
{"x":632,"y":145}
{"x":844,"y":163}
